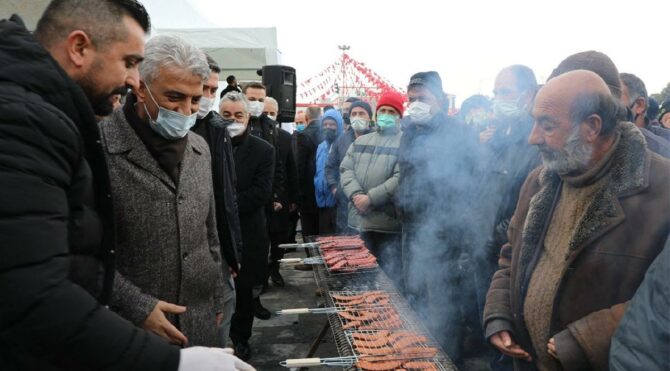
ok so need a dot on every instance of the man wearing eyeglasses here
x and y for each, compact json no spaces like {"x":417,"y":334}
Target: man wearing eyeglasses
{"x":254,"y":166}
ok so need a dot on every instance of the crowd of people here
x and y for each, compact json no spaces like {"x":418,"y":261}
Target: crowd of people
{"x":139,"y":229}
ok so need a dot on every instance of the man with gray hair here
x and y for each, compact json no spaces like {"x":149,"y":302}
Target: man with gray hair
{"x":169,"y":278}
{"x":254,"y":167}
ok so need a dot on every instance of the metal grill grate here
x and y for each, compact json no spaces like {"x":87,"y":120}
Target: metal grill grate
{"x":354,"y":283}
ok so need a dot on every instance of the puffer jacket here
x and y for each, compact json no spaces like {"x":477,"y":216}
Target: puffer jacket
{"x":55,"y":225}
{"x":371,"y":167}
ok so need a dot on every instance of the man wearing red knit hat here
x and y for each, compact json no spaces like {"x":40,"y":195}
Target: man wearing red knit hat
{"x":369,"y":177}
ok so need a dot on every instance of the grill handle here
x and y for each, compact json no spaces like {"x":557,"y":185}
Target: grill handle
{"x":294,"y":311}
{"x":303,"y":362}
{"x":291,"y":260}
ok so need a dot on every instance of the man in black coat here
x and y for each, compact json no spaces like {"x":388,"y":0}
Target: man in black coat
{"x":261,"y":126}
{"x":211,"y":126}
{"x":280,"y":221}
{"x":57,"y":266}
{"x":436,"y":192}
{"x":254,"y":165}
{"x":308,"y":141}
{"x":56,"y":214}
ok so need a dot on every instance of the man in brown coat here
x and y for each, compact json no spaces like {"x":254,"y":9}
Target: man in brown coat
{"x":588,"y":224}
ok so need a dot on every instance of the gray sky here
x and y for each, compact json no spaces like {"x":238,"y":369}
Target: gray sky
{"x":467,"y":42}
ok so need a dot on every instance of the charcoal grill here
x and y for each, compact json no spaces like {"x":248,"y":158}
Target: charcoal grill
{"x":355,"y":283}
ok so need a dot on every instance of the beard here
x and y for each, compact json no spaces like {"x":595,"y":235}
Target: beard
{"x":101,"y":101}
{"x":572,"y":158}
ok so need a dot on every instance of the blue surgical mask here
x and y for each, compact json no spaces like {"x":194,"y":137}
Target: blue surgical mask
{"x":300,"y":127}
{"x":385,"y":121}
{"x":170,"y":124}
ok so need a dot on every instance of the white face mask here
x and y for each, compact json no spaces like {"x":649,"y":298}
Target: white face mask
{"x":360,"y":125}
{"x":205,"y":106}
{"x":273,"y":117}
{"x":236,"y":129}
{"x":506,"y":109}
{"x":256,"y":108}
{"x":419,"y":111}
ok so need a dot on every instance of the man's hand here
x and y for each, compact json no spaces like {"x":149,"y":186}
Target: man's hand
{"x":362,"y":203}
{"x":333,"y":191}
{"x":219,"y":319}
{"x":486,"y":135}
{"x":277,"y":206}
{"x":157,"y":323}
{"x":232,"y":272}
{"x":503,"y":341}
{"x":551,"y":348}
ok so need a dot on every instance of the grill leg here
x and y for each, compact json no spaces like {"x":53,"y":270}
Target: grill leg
{"x":316,"y":343}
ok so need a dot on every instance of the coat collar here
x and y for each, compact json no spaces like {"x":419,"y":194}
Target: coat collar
{"x":120,"y":138}
{"x":628,"y":175}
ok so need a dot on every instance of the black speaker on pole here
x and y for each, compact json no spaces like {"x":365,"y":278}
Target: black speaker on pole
{"x":281,"y":84}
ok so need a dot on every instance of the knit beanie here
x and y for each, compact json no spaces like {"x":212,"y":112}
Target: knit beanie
{"x":362,"y":104}
{"x":391,"y":99}
{"x":430,"y":80}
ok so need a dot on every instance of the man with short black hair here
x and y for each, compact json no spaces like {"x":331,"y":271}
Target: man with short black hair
{"x":634,"y":96}
{"x":232,"y":86}
{"x":56,"y":223}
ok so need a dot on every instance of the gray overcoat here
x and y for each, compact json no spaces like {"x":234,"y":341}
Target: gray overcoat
{"x":167,"y":245}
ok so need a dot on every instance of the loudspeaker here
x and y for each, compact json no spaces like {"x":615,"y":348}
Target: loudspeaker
{"x":281,"y":84}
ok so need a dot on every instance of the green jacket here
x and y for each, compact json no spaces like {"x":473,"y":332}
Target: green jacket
{"x":371,"y":167}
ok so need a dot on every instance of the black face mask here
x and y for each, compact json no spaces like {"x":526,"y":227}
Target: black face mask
{"x":330,"y":134}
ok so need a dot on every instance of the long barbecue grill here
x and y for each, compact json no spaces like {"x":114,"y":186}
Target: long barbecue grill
{"x":373,"y":326}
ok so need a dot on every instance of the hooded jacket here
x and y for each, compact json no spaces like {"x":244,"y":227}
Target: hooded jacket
{"x":324,"y":197}
{"x":55,"y":225}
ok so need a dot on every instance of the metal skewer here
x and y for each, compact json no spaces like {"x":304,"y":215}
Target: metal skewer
{"x":311,"y":260}
{"x":329,"y":310}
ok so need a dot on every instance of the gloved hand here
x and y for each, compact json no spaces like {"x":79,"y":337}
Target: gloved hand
{"x":210,"y":359}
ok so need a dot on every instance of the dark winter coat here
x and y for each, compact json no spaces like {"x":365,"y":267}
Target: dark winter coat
{"x":642,"y":340}
{"x":507,"y":161}
{"x":438,"y":174}
{"x":55,"y":219}
{"x":280,"y":220}
{"x":254,"y":164}
{"x":224,"y":177}
{"x":621,"y":233}
{"x":308,"y":140}
{"x":167,"y":247}
{"x":337,"y":153}
{"x":267,"y":129}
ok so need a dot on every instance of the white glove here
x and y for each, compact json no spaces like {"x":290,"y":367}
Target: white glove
{"x":210,"y":359}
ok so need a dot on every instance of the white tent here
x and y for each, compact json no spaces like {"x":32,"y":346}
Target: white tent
{"x":239,"y":51}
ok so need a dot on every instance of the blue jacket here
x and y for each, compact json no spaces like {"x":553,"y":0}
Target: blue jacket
{"x":324,"y":198}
